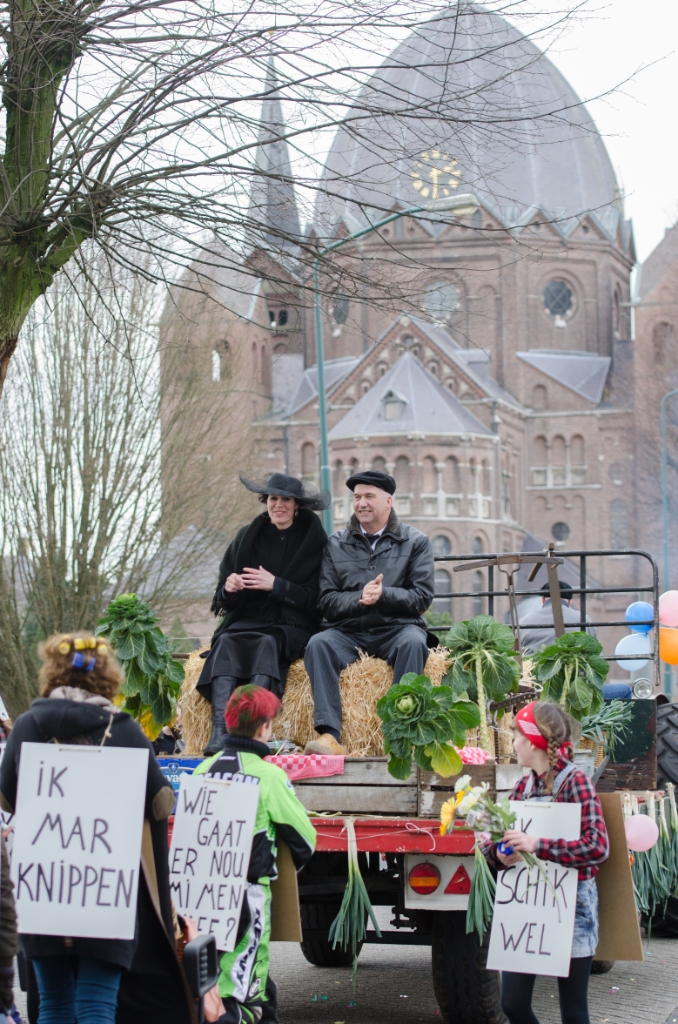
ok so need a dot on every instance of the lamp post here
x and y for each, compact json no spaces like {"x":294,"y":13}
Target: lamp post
{"x":665,"y":517}
{"x":458,"y":205}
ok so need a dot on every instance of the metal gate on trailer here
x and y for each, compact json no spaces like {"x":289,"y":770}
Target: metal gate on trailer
{"x":648,"y":591}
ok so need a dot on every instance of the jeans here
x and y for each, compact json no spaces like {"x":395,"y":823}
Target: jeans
{"x":77,"y":988}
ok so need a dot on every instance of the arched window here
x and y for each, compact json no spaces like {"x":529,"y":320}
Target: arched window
{"x":558,"y":301}
{"x":340,"y":308}
{"x":441,"y":300}
{"x":451,"y":476}
{"x":429,"y":476}
{"x":577,"y":460}
{"x":487,"y":478}
{"x":308,"y":467}
{"x":442,"y":584}
{"x":338,"y":478}
{"x":619,"y":524}
{"x":477,"y":586}
{"x":379,"y":464}
{"x":441,"y":546}
{"x":478,"y":546}
{"x":434,"y":368}
{"x":559,"y":460}
{"x":402,"y":474}
{"x":539,"y":397}
{"x":663,"y":341}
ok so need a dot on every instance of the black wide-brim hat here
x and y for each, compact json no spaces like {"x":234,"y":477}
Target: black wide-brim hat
{"x":284,"y":486}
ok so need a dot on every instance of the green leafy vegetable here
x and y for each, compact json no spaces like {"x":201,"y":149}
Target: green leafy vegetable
{"x":424,"y":721}
{"x":607,"y":725}
{"x":484,"y":665}
{"x":152,"y":676}
{"x":348,"y":928}
{"x":572,"y":673}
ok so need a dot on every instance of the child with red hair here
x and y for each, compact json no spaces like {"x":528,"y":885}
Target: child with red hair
{"x":247,"y":992}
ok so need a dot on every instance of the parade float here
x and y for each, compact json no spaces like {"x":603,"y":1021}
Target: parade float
{"x":386,"y":834}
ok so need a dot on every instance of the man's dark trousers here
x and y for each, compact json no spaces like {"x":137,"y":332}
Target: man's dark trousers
{"x":330,"y":651}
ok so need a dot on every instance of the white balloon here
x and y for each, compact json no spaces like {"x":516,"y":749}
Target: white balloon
{"x":634,"y":643}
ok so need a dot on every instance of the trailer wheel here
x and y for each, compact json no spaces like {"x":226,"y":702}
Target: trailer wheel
{"x":601,"y":966}
{"x":665,"y":924}
{"x":667,"y":744}
{"x":466,"y":991}
{"x":317,"y":917}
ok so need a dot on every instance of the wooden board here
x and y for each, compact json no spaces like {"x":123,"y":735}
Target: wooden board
{"x":619,"y":929}
{"x":362,"y":771}
{"x":358,"y":799}
{"x":285,"y":915}
{"x":635,"y":757}
{"x":479,"y":773}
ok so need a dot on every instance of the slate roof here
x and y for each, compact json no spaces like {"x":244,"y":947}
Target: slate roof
{"x":552,"y":161}
{"x":581,"y":372}
{"x":426,"y":406}
{"x":335,"y":371}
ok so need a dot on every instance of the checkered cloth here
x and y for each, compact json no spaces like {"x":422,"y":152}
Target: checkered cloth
{"x":308,"y":766}
{"x":472,"y":755}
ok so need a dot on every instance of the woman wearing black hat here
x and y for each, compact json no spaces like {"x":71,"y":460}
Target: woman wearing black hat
{"x":268,"y":595}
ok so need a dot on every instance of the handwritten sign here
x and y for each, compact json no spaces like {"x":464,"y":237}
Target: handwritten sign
{"x":210,"y":853}
{"x":534,"y":911}
{"x":77,"y":839}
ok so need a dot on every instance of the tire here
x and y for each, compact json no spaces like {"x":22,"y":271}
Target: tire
{"x":466,"y":991}
{"x":667,"y":744}
{"x":667,"y":925}
{"x":318,"y":917}
{"x":601,"y":966}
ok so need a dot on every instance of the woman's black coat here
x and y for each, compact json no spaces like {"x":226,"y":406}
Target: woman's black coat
{"x":294,"y":598}
{"x":152,"y":952}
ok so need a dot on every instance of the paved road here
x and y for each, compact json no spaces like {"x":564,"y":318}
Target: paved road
{"x":394,"y":987}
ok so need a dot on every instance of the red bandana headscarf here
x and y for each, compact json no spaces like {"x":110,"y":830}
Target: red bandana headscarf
{"x":525,"y":721}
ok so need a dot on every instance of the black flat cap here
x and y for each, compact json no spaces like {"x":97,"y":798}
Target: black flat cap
{"x":373,"y":478}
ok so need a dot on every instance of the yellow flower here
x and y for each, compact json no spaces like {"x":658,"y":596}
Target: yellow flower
{"x":447,"y":816}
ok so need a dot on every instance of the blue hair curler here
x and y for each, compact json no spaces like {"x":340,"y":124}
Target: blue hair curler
{"x":78,"y":660}
{"x":92,"y":663}
{"x":505,"y":849}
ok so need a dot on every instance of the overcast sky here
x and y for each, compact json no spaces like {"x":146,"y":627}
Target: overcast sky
{"x":638,"y":122}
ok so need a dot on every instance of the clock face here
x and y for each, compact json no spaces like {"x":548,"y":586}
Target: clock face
{"x":435,"y":174}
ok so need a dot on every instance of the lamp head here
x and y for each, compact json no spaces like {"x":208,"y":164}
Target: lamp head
{"x":459,"y":205}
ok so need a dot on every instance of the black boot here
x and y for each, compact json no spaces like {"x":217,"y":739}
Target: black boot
{"x":222,"y":688}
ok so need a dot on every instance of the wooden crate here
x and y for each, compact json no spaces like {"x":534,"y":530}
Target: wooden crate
{"x":366,"y":787}
{"x":434,"y":790}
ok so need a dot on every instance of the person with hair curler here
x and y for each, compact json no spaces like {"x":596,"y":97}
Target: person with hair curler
{"x":246,"y":990}
{"x":543,"y":736}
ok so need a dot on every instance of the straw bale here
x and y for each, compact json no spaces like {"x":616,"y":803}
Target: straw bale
{"x":361,"y":685}
{"x":196,"y":712}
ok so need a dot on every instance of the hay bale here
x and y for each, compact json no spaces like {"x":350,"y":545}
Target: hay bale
{"x":196,"y":712}
{"x":361,"y":685}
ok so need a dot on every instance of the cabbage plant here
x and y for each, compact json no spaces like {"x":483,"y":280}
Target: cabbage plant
{"x":484,"y":665}
{"x":424,"y":722}
{"x":572,"y":673}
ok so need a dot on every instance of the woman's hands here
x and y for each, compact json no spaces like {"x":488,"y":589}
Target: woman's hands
{"x":520,"y":843}
{"x":250,"y":579}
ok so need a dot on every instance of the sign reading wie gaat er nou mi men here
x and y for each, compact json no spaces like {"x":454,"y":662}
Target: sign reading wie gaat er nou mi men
{"x":77,"y":844}
{"x":533,"y":920}
{"x":210,"y":853}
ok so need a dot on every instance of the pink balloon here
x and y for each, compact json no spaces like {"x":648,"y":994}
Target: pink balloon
{"x":641,"y":832}
{"x":668,"y":608}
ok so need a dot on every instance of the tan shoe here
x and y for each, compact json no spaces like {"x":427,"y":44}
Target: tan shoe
{"x":325,"y":744}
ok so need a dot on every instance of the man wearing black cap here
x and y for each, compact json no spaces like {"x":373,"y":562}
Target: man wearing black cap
{"x":376,"y":581}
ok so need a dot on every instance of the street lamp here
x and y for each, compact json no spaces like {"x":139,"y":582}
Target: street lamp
{"x":459,"y":205}
{"x":665,"y":517}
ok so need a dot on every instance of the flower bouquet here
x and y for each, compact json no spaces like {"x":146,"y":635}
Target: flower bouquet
{"x":489,"y":820}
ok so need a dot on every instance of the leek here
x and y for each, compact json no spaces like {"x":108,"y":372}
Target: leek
{"x":348,"y":928}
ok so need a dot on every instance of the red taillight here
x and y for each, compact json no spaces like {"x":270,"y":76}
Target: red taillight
{"x":424,"y":878}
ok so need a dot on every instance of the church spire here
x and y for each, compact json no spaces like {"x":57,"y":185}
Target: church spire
{"x":273,"y":206}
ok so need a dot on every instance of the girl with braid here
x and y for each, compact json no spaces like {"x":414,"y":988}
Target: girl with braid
{"x":543,"y":735}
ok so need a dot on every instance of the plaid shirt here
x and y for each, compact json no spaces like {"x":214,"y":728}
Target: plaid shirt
{"x":585,"y":853}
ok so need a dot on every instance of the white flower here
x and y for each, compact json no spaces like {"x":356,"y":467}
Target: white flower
{"x":469,"y":801}
{"x":463,"y":783}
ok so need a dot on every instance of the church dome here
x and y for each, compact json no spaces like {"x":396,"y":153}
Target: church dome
{"x":468,"y":104}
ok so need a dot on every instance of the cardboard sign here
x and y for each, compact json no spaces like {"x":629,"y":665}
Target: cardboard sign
{"x":77,"y":839}
{"x":210,"y":853}
{"x":533,"y":918}
{"x":619,"y":937}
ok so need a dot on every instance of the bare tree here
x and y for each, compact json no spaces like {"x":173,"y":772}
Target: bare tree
{"x":84,"y":456}
{"x":123,"y":116}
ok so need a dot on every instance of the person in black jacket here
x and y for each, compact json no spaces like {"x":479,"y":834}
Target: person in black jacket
{"x":135,"y":981}
{"x":268,"y":595}
{"x":376,"y":581}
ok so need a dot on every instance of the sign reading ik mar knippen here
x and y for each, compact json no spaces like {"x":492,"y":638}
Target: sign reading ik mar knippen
{"x":533,"y":920}
{"x":210,"y":853}
{"x":77,"y":842}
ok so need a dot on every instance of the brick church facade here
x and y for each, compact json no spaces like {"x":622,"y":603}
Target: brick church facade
{"x":495,"y":377}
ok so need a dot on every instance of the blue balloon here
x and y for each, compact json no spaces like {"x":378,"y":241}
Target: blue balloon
{"x":636,"y":612}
